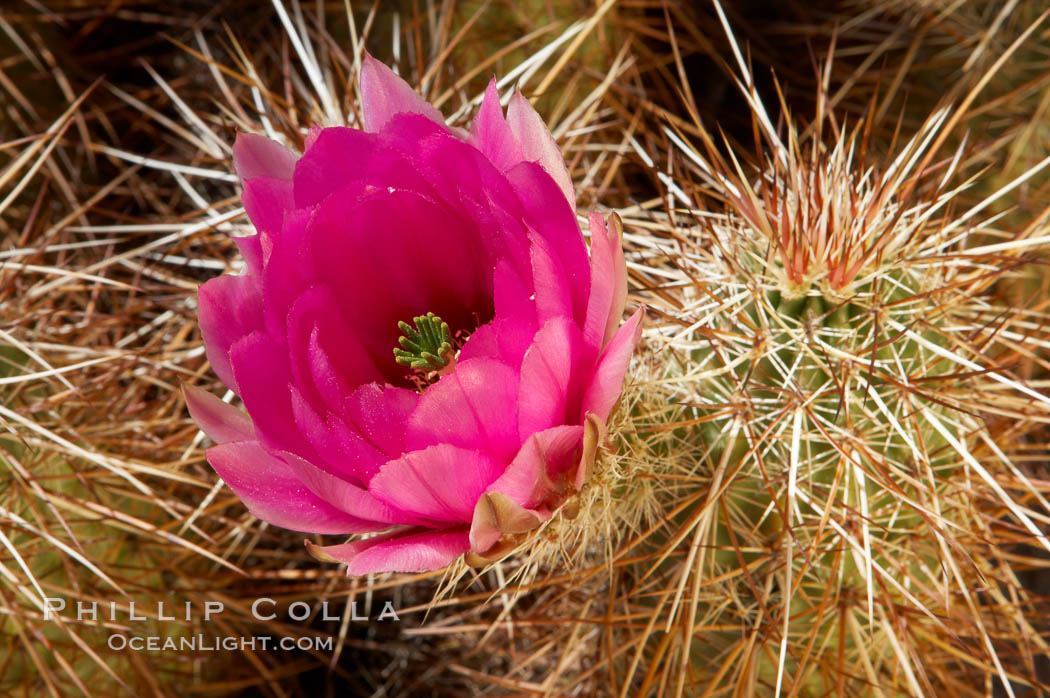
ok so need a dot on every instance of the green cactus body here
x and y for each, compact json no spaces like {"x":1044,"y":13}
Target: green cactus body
{"x":839,"y":353}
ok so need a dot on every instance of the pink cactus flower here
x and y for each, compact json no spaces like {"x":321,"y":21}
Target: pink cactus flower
{"x":421,"y":343}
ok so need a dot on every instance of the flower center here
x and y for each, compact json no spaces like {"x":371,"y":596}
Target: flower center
{"x":427,"y":346}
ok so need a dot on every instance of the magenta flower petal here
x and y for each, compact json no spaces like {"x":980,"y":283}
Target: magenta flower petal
{"x":315,"y":323}
{"x":336,"y":448}
{"x":221,"y":422}
{"x":379,"y":414}
{"x":266,"y":201}
{"x":346,"y":496}
{"x":547,"y":215}
{"x":260,"y":365}
{"x":462,"y":179}
{"x":414,"y":266}
{"x":339,"y":447}
{"x":322,"y":171}
{"x":484,"y":343}
{"x":491,"y":134}
{"x":537,"y":144}
{"x":552,"y":295}
{"x":258,"y":156}
{"x":273,"y":493}
{"x":287,"y":261}
{"x":545,"y":396}
{"x":384,"y":94}
{"x":229,"y":308}
{"x":472,"y":407}
{"x":440,"y":483}
{"x":511,"y":296}
{"x":607,"y":383}
{"x":505,"y":339}
{"x":333,"y":387}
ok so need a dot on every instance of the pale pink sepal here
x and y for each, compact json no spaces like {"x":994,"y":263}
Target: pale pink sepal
{"x":399,"y":551}
{"x":258,"y":156}
{"x":312,"y":135}
{"x":607,"y":382}
{"x":384,"y":94}
{"x":221,"y":422}
{"x":537,"y":144}
{"x":608,"y":294}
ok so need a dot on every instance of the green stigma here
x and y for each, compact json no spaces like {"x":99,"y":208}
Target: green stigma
{"x":427,"y":346}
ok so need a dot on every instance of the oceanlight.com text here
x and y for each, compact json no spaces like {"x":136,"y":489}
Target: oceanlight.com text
{"x":203,"y":643}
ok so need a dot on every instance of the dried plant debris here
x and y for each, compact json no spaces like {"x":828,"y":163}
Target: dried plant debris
{"x":118,"y":200}
{"x":827,"y":476}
